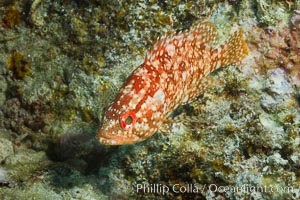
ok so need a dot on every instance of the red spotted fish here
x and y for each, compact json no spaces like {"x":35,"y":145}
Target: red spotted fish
{"x":171,"y":75}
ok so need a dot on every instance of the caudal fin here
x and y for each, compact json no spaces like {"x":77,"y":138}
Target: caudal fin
{"x":232,"y":52}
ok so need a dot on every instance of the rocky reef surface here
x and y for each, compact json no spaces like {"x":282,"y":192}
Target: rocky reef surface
{"x":62,"y":62}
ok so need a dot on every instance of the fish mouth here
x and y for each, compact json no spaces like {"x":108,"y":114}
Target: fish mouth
{"x":106,"y":141}
{"x":117,"y":140}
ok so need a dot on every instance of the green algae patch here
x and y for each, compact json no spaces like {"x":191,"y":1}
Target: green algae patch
{"x":25,"y":164}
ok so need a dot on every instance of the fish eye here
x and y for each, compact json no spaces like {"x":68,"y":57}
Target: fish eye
{"x":128,"y":120}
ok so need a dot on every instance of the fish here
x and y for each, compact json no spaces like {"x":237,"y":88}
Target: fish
{"x":170,"y":75}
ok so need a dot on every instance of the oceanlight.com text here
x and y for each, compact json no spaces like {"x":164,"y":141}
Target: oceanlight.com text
{"x":163,"y":189}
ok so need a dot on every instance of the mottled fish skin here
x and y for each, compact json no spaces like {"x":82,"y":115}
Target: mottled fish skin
{"x":170,"y":76}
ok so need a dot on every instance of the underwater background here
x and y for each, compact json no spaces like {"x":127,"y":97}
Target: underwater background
{"x":62,"y":62}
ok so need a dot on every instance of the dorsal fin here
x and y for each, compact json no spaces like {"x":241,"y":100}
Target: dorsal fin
{"x":199,"y":37}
